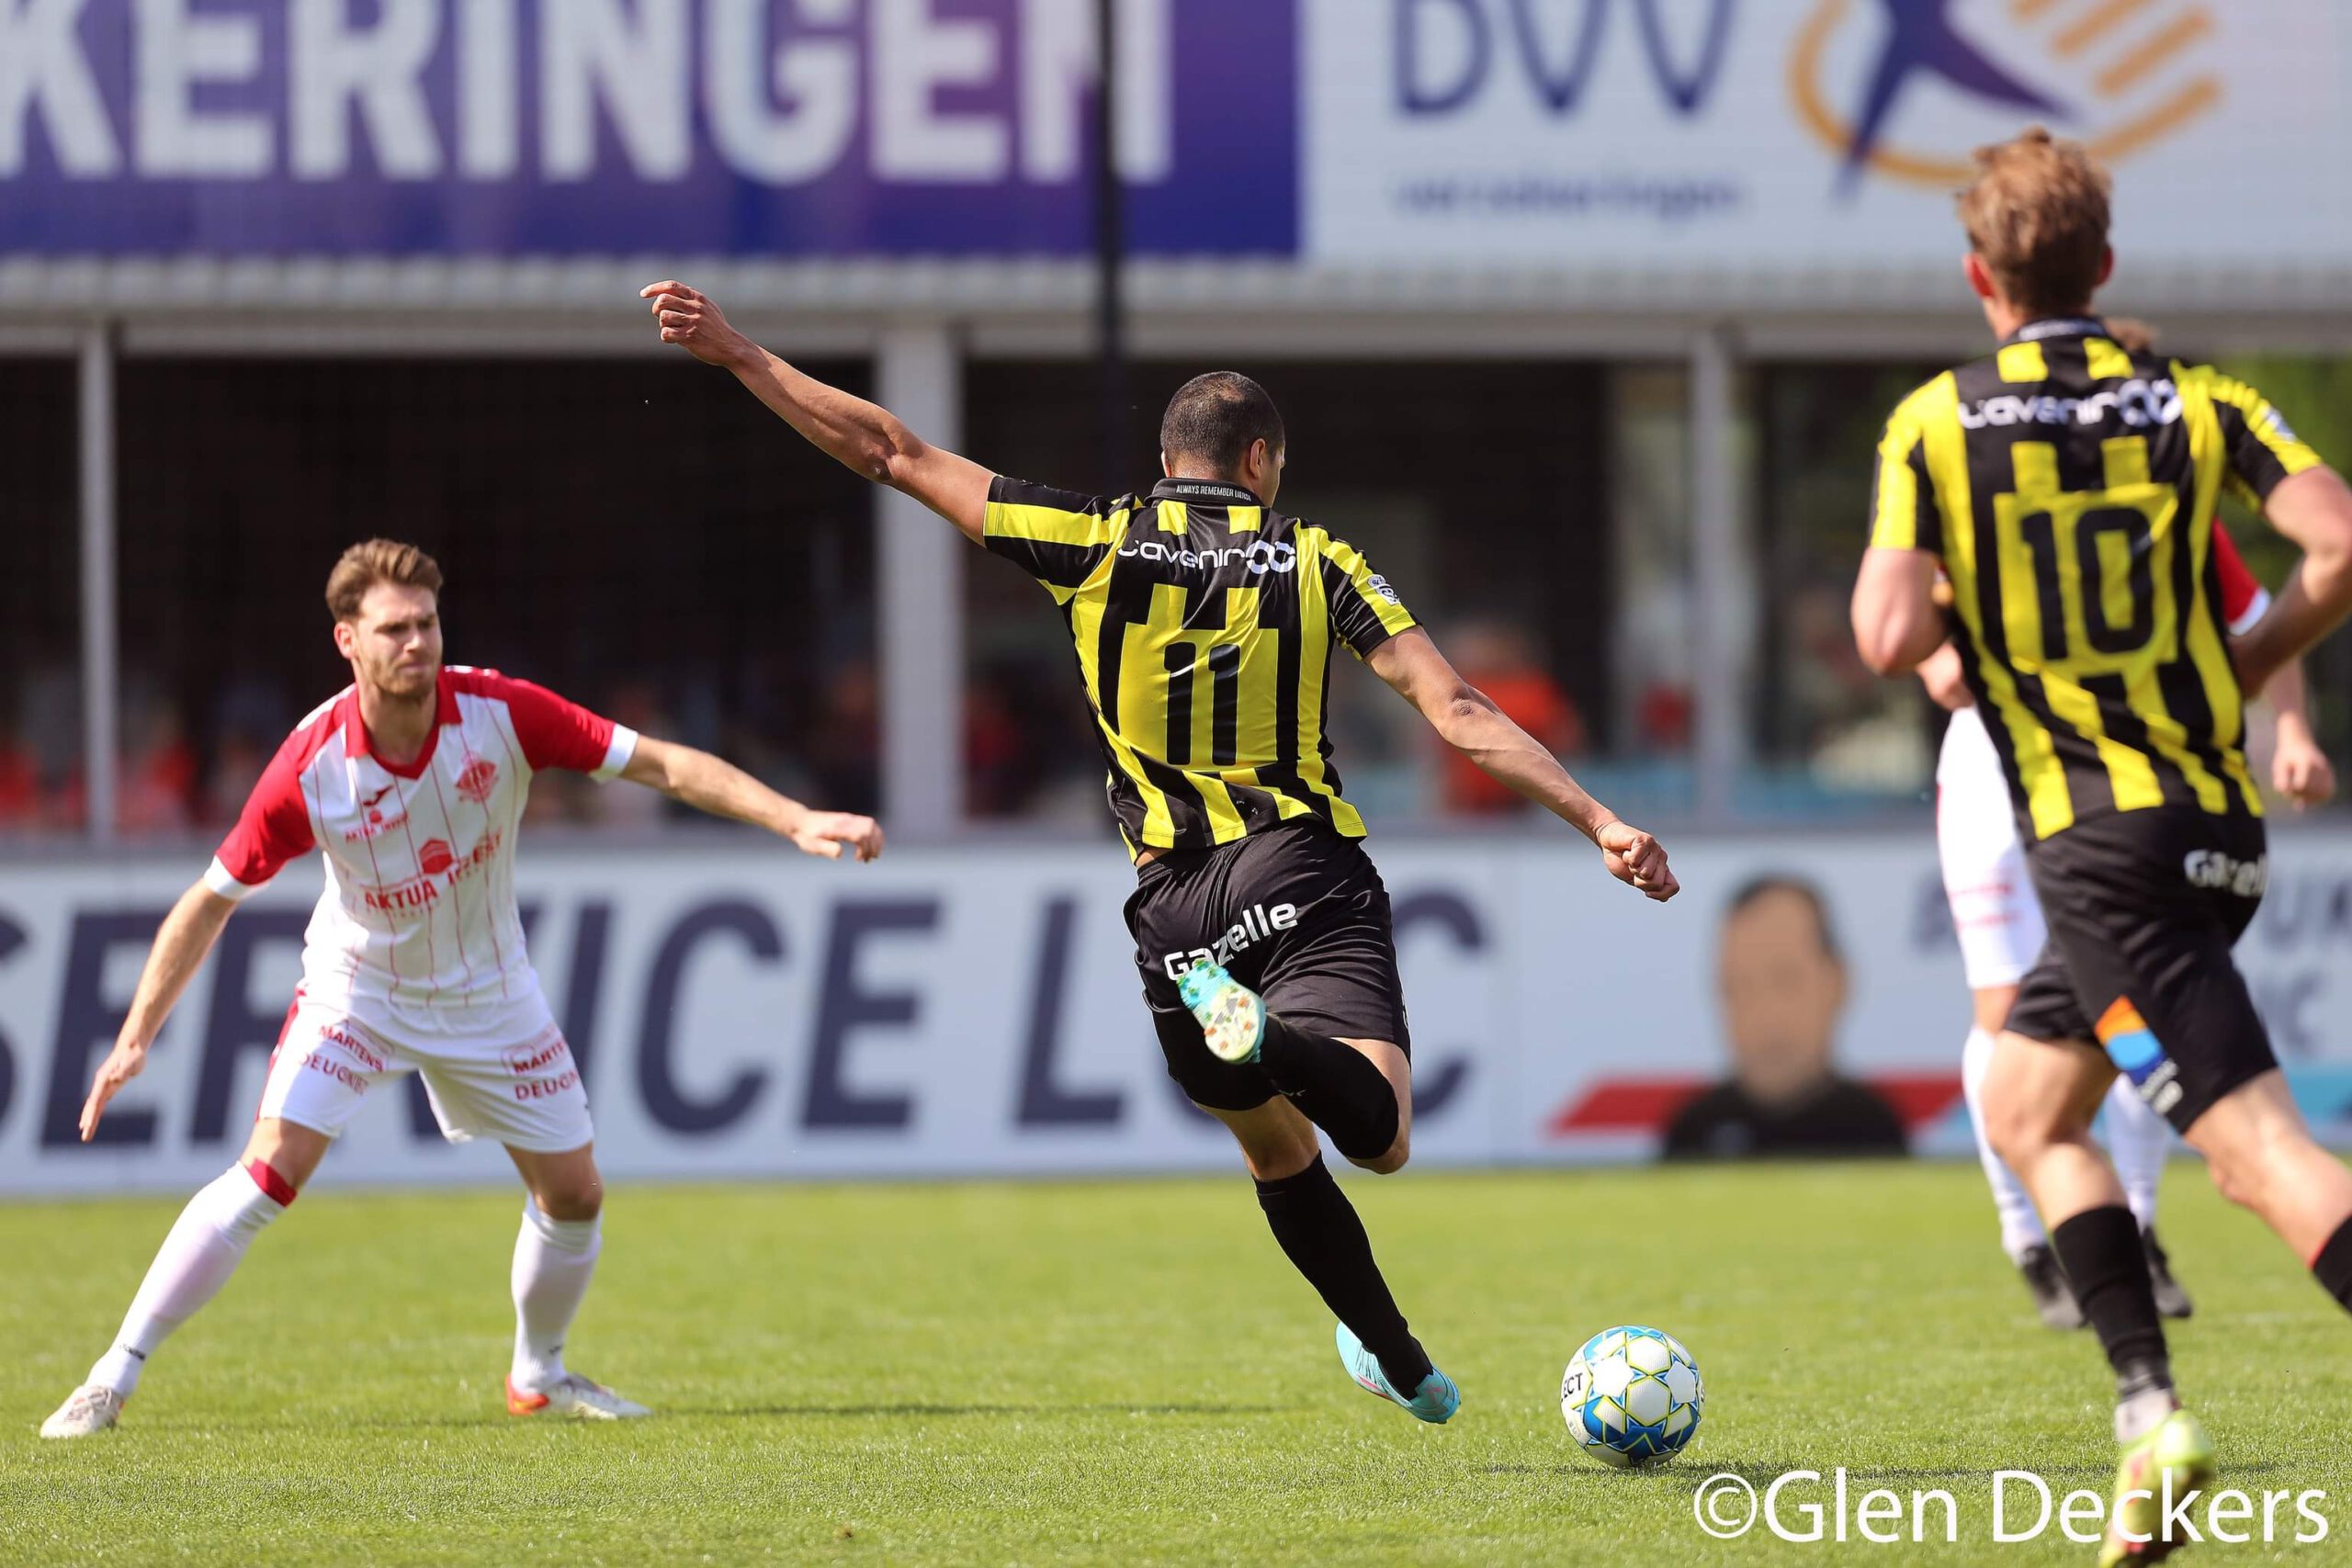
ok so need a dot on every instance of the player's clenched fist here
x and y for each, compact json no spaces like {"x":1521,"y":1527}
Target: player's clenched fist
{"x":692,"y":319}
{"x":830,"y":833}
{"x":1638,"y":861}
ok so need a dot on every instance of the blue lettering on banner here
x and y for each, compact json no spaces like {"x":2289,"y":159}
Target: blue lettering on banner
{"x":1435,"y":1083}
{"x":12,"y":937}
{"x":533,"y":128}
{"x":1444,"y":52}
{"x":87,"y":1023}
{"x":1043,"y":1102}
{"x":2303,"y":910}
{"x":843,"y":1006}
{"x":423,"y":1127}
{"x":656,"y":1082}
{"x":233,"y":1027}
{"x":2285,"y":1003}
{"x":584,"y":992}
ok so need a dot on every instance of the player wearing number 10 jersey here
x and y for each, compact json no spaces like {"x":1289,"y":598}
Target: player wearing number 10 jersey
{"x":1204,"y":623}
{"x":2066,"y":486}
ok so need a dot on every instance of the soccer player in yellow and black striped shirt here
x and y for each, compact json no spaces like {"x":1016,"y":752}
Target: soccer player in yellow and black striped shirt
{"x":1204,"y":623}
{"x":2064,"y":489}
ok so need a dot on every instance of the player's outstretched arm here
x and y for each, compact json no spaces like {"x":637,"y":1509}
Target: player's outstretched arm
{"x":181,"y":944}
{"x":1897,"y":624}
{"x":862,"y":436}
{"x":714,"y":785}
{"x":2313,"y":508}
{"x":1467,"y":720}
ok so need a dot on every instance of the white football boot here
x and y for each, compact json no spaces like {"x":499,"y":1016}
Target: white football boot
{"x":575,"y":1396}
{"x":90,"y":1409}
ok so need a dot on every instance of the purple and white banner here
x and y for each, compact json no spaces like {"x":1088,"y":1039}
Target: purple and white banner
{"x":783,"y":128}
{"x":748,"y":1013}
{"x":1814,"y":140}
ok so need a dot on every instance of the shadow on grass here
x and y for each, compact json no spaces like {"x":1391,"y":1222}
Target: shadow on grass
{"x":1692,"y":1471}
{"x":672,"y":1412}
{"x":927,"y":1408}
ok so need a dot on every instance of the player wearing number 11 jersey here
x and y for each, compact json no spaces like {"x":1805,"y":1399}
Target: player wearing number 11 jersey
{"x":1204,"y":623}
{"x":2066,"y":486}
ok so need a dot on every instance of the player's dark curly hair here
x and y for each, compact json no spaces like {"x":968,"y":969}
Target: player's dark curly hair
{"x":1213,"y":419}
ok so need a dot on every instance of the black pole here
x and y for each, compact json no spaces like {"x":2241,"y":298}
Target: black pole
{"x":1110,"y":254}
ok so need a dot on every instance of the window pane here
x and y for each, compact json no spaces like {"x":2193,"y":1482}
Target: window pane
{"x":40,"y":696}
{"x":1827,"y":733}
{"x":637,"y":535}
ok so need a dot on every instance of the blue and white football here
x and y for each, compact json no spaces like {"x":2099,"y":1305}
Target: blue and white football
{"x":1632,"y":1396}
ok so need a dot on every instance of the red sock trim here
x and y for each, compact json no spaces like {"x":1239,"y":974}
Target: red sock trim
{"x":274,"y":1187}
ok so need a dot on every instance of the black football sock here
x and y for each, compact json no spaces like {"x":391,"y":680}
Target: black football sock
{"x":1323,"y":1238}
{"x":2333,"y":1266}
{"x":1334,"y":1085}
{"x":2107,"y":1266}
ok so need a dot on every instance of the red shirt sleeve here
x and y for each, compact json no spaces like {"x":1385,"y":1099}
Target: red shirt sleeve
{"x":2244,"y":599}
{"x":273,"y":828}
{"x":558,"y":733}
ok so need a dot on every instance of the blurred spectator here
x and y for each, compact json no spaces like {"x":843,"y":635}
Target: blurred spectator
{"x":637,"y":705}
{"x":845,"y":743}
{"x":1501,"y":661}
{"x":237,"y":764}
{"x":1783,"y":986}
{"x":159,"y":774}
{"x":1000,"y":762}
{"x":19,"y":784}
{"x":53,"y":732}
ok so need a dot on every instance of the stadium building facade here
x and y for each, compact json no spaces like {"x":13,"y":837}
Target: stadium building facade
{"x":1624,"y":282}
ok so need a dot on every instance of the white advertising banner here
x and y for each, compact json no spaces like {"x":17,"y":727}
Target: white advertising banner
{"x":977,"y":1010}
{"x":1779,"y":136}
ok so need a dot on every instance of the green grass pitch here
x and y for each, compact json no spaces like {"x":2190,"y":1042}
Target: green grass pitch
{"x":1119,"y":1372}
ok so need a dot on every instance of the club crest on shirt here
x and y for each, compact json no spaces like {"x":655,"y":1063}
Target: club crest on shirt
{"x":479,"y":779}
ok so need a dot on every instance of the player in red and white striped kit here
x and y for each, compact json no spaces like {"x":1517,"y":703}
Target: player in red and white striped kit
{"x":412,"y":784}
{"x":2001,"y":933}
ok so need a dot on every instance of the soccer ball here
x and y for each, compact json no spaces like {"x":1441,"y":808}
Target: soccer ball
{"x":1632,"y":1396}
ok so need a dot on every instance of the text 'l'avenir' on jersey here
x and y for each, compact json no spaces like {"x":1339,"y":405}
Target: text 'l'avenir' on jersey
{"x":2068,"y":486}
{"x":419,"y":906}
{"x":1205,"y":624}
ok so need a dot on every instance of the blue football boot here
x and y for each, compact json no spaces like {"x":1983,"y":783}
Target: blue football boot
{"x":1232,"y":1019}
{"x":1435,"y":1401}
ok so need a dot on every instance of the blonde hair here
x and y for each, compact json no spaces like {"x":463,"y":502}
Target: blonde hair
{"x":374,"y":561}
{"x":2037,"y":214}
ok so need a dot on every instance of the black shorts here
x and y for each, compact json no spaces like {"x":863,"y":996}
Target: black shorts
{"x":2143,"y":908}
{"x":1296,"y":913}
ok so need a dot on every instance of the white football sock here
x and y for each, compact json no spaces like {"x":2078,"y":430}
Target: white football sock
{"x":204,"y":1247}
{"x":2021,"y":1226}
{"x":554,"y":1260}
{"x":2138,"y":1139}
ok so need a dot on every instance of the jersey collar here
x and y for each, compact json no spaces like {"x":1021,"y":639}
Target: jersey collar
{"x":2057,"y":326}
{"x":1208,"y":492}
{"x":358,"y":742}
